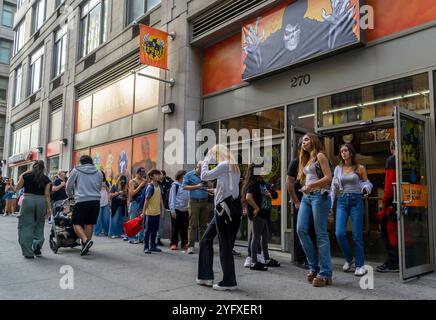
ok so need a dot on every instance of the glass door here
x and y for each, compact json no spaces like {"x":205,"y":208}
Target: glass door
{"x":412,"y":193}
{"x":275,"y":156}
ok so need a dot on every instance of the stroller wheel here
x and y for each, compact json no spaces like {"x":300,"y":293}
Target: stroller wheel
{"x":53,"y":246}
{"x":53,"y":243}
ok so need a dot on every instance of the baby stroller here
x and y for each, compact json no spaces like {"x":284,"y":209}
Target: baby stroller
{"x":62,"y":233}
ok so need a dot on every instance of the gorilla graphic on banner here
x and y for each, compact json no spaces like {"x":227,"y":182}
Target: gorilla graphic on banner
{"x":299,"y":37}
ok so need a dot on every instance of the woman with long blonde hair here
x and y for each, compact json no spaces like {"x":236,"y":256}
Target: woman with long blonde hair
{"x":227,"y":174}
{"x":315,"y":175}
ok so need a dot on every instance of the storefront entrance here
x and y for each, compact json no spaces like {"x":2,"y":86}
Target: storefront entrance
{"x":410,"y":131}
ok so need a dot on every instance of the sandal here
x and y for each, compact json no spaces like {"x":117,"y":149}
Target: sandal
{"x":311,"y":275}
{"x":320,"y":281}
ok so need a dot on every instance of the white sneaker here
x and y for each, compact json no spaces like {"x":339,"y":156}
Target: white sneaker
{"x":360,"y":271}
{"x":260,"y":258}
{"x":190,"y":250}
{"x":347,"y":266}
{"x":219,"y":288}
{"x":247,"y":262}
{"x":207,"y":283}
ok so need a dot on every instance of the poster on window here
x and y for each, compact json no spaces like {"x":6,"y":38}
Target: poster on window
{"x":145,"y":152}
{"x":296,"y":32}
{"x":114,"y":159}
{"x":153,"y":48}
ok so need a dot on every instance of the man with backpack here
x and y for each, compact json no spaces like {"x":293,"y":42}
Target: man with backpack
{"x":178,"y":204}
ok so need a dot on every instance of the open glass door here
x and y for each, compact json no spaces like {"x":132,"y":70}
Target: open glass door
{"x":412,"y":193}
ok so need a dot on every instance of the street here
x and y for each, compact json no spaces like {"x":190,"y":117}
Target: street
{"x":115,"y":269}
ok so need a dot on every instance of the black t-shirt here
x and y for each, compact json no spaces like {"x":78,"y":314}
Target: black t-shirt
{"x":61,"y":194}
{"x":2,"y":189}
{"x":293,"y":172}
{"x":390,"y":162}
{"x":31,"y":187}
{"x":256,"y":190}
{"x":119,"y":201}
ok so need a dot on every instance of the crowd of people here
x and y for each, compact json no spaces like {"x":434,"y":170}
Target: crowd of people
{"x":101,"y":209}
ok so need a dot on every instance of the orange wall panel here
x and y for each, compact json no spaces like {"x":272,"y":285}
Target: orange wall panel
{"x":392,"y":16}
{"x":222,"y":67}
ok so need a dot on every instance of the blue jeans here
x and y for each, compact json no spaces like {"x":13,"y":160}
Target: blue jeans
{"x":151,"y":227}
{"x":317,"y":206}
{"x":116,"y":224}
{"x":133,"y":213}
{"x":103,"y":222}
{"x":350,"y":205}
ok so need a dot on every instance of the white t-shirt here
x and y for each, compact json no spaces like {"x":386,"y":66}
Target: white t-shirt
{"x":104,"y":197}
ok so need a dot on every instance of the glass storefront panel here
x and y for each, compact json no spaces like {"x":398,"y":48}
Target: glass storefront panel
{"x":52,"y":167}
{"x":374,"y":101}
{"x":269,"y":119}
{"x":146,"y":89}
{"x":144,"y":152}
{"x":83,"y":114}
{"x":301,"y":119}
{"x":113,"y":102}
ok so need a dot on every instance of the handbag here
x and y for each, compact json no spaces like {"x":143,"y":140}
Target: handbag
{"x":132,"y":227}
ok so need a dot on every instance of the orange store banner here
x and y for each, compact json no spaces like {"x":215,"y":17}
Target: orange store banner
{"x":153,"y":48}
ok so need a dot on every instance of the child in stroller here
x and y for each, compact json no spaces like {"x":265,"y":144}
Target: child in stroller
{"x":62,"y":233}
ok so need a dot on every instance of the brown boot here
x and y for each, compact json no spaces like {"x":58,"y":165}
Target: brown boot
{"x":311,"y":275}
{"x":321,"y":281}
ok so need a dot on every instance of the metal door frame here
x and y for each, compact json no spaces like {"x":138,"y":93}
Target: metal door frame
{"x":406,"y":274}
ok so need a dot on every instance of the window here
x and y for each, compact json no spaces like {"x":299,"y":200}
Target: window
{"x":93,"y":25}
{"x":3,"y":89}
{"x":25,"y":139}
{"x":36,"y":70}
{"x":136,"y":8}
{"x":376,"y":101}
{"x":18,"y":85}
{"x":5,"y":51}
{"x":19,"y":37}
{"x":55,"y":125}
{"x":38,"y":15}
{"x":8,"y":15}
{"x":20,"y":3}
{"x":60,"y":51}
{"x":59,"y":2}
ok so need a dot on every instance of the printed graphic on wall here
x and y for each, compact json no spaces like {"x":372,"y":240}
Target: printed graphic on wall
{"x":145,"y":152}
{"x":298,"y":31}
{"x":113,"y":159}
{"x":153,"y":47}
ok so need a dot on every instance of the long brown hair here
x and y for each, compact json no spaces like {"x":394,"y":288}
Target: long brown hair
{"x":38,"y":173}
{"x":353,"y":157}
{"x":307,"y":158}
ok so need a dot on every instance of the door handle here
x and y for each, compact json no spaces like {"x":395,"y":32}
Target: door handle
{"x":410,"y":193}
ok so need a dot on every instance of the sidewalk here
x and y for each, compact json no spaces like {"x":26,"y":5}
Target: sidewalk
{"x":115,"y":269}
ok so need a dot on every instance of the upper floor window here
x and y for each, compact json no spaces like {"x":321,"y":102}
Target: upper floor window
{"x":18,"y":85}
{"x":60,"y":51}
{"x":93,"y":25}
{"x":5,"y":51}
{"x":3,"y":89}
{"x":38,"y":15}
{"x":8,"y":15}
{"x":36,"y":65}
{"x":136,"y":8}
{"x":20,"y":3}
{"x":19,"y":37}
{"x":59,"y":2}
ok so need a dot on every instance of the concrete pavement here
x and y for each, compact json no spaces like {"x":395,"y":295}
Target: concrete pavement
{"x":115,"y":269}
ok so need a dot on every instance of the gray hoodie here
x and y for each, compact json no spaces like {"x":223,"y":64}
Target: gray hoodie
{"x":84,"y":183}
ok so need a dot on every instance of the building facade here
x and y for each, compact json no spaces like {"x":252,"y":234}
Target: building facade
{"x":75,"y":88}
{"x":7,"y":10}
{"x":378,"y":88}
